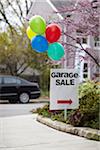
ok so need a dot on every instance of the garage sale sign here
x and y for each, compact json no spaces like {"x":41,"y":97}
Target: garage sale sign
{"x":63,"y":89}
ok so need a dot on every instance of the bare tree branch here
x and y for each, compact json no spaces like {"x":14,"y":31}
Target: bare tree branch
{"x":31,"y":3}
{"x":20,"y":18}
{"x":2,"y":11}
{"x":27,"y":10}
{"x":82,"y":48}
{"x":95,"y":60}
{"x":20,"y":9}
{"x":22,"y":70}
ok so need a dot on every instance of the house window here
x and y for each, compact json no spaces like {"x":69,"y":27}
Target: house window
{"x":84,"y":40}
{"x":79,"y":32}
{"x":78,"y":40}
{"x":68,"y":15}
{"x":85,"y":70}
{"x":81,"y":40}
{"x":94,"y":4}
{"x":85,"y":76}
{"x":96,"y":42}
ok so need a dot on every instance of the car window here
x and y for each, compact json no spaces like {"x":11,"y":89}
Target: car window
{"x":0,"y":80}
{"x":18,"y":81}
{"x":9,"y":80}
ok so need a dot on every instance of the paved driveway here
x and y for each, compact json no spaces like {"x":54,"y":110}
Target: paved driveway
{"x":7,"y":109}
{"x":25,"y":133}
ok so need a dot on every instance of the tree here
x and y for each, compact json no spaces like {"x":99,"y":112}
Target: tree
{"x":12,"y":49}
{"x":13,"y":13}
{"x":83,"y":19}
{"x":17,"y":54}
{"x":15,"y":50}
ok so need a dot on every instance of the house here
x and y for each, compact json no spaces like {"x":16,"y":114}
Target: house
{"x":87,"y":68}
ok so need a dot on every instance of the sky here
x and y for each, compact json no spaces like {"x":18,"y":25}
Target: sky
{"x":13,"y":19}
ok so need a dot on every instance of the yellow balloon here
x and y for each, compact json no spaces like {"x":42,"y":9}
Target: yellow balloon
{"x":30,"y":33}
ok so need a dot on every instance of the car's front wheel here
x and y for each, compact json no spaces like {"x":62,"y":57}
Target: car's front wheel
{"x":24,"y":98}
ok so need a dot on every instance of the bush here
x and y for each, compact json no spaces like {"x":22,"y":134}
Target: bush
{"x":88,"y":114}
{"x":89,"y":97}
{"x":75,"y":118}
{"x":44,"y":111}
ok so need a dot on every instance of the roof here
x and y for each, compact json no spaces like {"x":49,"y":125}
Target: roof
{"x":46,"y":8}
{"x":62,"y":3}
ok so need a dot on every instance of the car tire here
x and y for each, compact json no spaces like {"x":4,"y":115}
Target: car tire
{"x":24,"y":98}
{"x":12,"y":101}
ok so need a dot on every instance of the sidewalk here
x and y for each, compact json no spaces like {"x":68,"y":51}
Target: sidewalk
{"x":25,"y":133}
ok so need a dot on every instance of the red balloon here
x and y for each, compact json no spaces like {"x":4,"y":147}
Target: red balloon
{"x":53,"y":33}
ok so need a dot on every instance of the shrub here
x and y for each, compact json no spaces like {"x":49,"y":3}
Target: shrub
{"x":44,"y":111}
{"x":88,"y":114}
{"x":75,"y":118}
{"x":89,"y":97}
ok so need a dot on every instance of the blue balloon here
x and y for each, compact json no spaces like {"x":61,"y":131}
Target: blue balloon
{"x":39,"y":43}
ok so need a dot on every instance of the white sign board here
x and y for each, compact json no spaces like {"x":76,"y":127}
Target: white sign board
{"x":63,"y":89}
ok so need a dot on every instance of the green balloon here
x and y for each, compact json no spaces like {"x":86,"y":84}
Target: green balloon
{"x":55,"y":51}
{"x":37,"y":24}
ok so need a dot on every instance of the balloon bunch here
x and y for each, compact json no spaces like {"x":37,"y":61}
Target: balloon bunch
{"x":45,"y":38}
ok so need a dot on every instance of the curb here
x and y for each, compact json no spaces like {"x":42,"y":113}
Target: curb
{"x":88,"y":133}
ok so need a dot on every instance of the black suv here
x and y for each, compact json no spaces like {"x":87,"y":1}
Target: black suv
{"x":16,"y":89}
